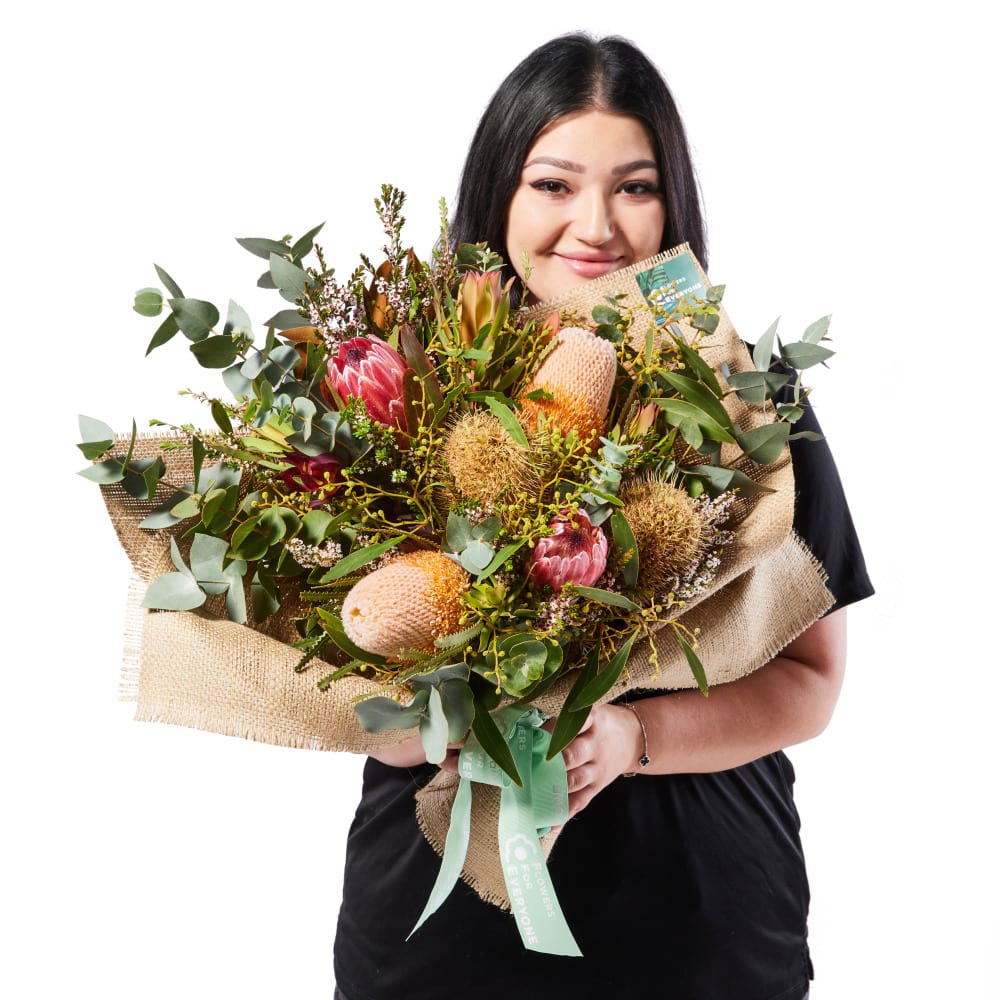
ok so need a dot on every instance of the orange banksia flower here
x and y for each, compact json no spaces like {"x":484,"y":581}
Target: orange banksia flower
{"x":406,"y":605}
{"x":579,"y":375}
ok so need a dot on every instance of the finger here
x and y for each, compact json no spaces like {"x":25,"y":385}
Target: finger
{"x":580,"y":777}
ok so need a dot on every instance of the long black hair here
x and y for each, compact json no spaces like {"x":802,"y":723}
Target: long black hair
{"x":574,"y":73}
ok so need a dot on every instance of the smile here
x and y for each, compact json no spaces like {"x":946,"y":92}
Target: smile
{"x":589,"y":265}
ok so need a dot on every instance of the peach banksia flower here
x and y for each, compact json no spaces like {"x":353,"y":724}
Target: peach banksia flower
{"x":579,"y":375}
{"x":406,"y":605}
{"x":575,"y":552}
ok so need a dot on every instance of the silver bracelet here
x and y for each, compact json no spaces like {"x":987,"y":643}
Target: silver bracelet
{"x":644,"y":759}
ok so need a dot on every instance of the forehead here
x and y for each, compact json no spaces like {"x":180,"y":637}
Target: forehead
{"x":593,"y":139}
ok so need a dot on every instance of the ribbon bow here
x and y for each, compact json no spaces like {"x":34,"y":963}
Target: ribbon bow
{"x":525,"y":814}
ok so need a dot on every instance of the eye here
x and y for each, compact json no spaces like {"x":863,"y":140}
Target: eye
{"x":549,"y":186}
{"x":639,"y":189}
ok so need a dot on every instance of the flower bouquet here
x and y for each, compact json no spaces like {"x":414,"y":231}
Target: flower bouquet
{"x":451,"y":516}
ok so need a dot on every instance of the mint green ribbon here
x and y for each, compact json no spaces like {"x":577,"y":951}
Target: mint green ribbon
{"x":525,"y":813}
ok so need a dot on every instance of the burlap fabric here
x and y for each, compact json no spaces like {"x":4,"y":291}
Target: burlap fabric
{"x":198,"y":669}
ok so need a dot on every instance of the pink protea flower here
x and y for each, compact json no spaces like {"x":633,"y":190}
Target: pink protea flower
{"x":575,"y":552}
{"x":315,"y":474}
{"x":370,"y":369}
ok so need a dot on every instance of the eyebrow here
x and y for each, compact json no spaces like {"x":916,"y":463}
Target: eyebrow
{"x":577,"y":168}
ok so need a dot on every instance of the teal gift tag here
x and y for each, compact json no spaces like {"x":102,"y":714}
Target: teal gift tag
{"x":525,"y":814}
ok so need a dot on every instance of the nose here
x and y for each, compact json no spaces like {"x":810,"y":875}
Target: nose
{"x":594,"y":222}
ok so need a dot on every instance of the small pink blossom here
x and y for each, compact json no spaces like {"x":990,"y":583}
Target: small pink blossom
{"x":575,"y":552}
{"x":370,"y":369}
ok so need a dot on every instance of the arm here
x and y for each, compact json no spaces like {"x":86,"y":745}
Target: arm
{"x":787,"y":701}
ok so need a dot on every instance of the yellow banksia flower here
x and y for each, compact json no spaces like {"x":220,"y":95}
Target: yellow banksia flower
{"x":668,"y":529}
{"x":406,"y":605}
{"x":483,"y":459}
{"x":580,"y":375}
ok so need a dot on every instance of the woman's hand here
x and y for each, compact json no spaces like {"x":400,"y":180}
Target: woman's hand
{"x":609,"y":745}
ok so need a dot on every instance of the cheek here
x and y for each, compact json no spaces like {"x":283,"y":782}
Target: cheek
{"x":649,"y":232}
{"x":518,"y":236}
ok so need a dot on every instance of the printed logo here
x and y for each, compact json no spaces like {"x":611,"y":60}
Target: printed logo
{"x":520,"y":848}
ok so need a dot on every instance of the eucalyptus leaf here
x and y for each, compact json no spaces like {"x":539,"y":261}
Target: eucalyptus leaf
{"x":304,"y":243}
{"x":816,"y":330}
{"x":699,"y":395}
{"x":458,"y":533}
{"x":237,"y":321}
{"x":236,"y":382}
{"x":164,"y":332}
{"x":449,"y":672}
{"x":290,"y":278}
{"x":755,"y":387}
{"x":262,"y":247}
{"x":802,"y":355}
{"x":379,"y":714}
{"x":606,"y":315}
{"x":721,"y":478}
{"x":236,"y":598}
{"x":459,"y":708}
{"x":207,"y":556}
{"x":477,"y":555}
{"x":195,"y":317}
{"x":681,"y":413}
{"x":434,"y":728}
{"x":148,"y":302}
{"x":763,"y":351}
{"x":263,"y":596}
{"x":174,"y":592}
{"x":105,"y":473}
{"x":215,"y":352}
{"x":190,"y":506}
{"x":764,"y":444}
{"x":168,"y":282}
{"x":286,"y":319}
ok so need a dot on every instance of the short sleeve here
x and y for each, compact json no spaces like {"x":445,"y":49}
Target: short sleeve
{"x":822,"y":517}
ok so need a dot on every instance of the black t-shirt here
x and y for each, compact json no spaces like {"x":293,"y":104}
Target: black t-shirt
{"x":680,"y":886}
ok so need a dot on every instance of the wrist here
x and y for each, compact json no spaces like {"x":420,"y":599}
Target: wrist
{"x":640,"y":755}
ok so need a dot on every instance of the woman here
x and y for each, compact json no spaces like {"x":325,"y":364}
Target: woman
{"x":688,"y":882}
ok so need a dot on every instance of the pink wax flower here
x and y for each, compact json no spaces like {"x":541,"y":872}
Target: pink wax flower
{"x":315,"y":474}
{"x":575,"y":552}
{"x":370,"y":369}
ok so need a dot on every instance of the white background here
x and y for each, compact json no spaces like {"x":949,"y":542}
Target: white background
{"x":844,"y":159}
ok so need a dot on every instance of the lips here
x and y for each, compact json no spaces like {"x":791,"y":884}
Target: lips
{"x":590,"y":265}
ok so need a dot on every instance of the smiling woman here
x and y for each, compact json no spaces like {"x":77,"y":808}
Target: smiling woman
{"x":589,"y":202}
{"x":690,"y":882}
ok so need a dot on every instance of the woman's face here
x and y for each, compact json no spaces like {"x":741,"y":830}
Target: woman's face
{"x":589,"y":202}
